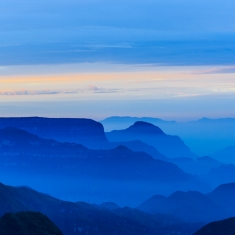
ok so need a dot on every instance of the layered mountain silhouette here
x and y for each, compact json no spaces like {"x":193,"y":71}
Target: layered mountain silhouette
{"x":83,"y":218}
{"x":226,"y":155}
{"x":222,"y":227}
{"x":193,"y":206}
{"x":27,"y":157}
{"x":219,"y":175}
{"x":203,"y":136}
{"x":200,"y":165}
{"x":190,"y":206}
{"x":75,"y":130}
{"x":14,"y":141}
{"x":139,"y":146}
{"x":120,"y":123}
{"x":170,"y":146}
{"x":24,"y":223}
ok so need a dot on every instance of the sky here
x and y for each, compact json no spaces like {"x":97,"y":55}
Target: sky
{"x":171,"y":59}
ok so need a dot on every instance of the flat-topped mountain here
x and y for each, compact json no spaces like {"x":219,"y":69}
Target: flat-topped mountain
{"x":170,"y":146}
{"x":75,"y":130}
{"x":24,"y":156}
{"x":15,"y":142}
{"x":27,"y":222}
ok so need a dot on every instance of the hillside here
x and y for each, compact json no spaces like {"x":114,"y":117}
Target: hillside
{"x":194,"y":206}
{"x":27,"y":223}
{"x":82,"y":218}
{"x":223,"y":227}
{"x":62,"y":169}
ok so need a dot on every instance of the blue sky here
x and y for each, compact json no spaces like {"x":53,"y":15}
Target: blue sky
{"x":86,"y":54}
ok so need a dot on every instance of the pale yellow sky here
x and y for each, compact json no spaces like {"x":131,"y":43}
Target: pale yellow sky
{"x":163,"y":83}
{"x":117,"y":83}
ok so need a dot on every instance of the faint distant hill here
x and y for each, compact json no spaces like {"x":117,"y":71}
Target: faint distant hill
{"x":219,"y":175}
{"x":115,"y":174}
{"x":75,"y":130}
{"x":27,"y":223}
{"x":170,"y":146}
{"x":222,"y":227}
{"x":120,"y":123}
{"x":203,"y":136}
{"x":226,"y":155}
{"x":83,"y":218}
{"x":200,"y":165}
{"x":109,"y":205}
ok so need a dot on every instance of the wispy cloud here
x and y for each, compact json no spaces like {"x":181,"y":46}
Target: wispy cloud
{"x":29,"y":92}
{"x":88,"y":89}
{"x":95,"y":89}
{"x":221,"y":70}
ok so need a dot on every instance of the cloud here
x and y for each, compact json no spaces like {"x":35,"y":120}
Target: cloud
{"x":95,"y":89}
{"x":28,"y":92}
{"x":229,"y":69}
{"x":88,"y":89}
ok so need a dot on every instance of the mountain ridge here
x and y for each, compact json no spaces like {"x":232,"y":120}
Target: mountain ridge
{"x":194,"y":206}
{"x":170,"y":146}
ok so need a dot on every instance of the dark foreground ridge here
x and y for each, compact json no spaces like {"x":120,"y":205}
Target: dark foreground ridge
{"x":27,"y":223}
{"x":223,"y":227}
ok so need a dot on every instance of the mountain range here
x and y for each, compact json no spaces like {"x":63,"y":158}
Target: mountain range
{"x":193,"y":206}
{"x":203,"y":136}
{"x":74,"y":130}
{"x":31,"y":160}
{"x":82,"y":218}
{"x":82,"y":131}
{"x":170,"y":146}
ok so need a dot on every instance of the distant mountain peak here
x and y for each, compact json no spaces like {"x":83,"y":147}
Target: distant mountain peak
{"x":146,"y":127}
{"x":122,"y":148}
